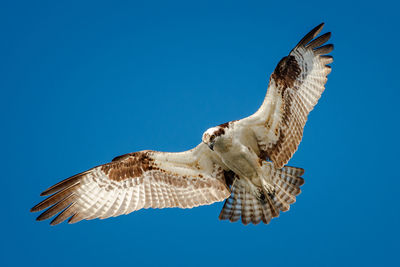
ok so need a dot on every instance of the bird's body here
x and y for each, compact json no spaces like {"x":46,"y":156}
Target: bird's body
{"x":238,"y":151}
{"x":241,"y":161}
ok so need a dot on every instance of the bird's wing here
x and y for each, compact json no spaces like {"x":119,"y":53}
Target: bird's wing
{"x":146,"y":179}
{"x":294,"y":89}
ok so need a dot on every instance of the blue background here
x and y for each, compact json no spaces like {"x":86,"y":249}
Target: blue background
{"x":82,"y":82}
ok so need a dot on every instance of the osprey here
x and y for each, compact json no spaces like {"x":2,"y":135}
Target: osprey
{"x":241,"y":161}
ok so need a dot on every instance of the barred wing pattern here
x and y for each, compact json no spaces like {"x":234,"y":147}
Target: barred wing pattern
{"x":150,"y":179}
{"x":294,"y":89}
{"x":146,"y":179}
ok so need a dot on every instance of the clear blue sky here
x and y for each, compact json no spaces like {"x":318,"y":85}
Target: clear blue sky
{"x":83,"y":82}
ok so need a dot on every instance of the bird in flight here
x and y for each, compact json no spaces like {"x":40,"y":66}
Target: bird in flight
{"x":241,"y":162}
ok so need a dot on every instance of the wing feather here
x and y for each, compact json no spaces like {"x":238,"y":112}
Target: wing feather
{"x":319,"y":41}
{"x":294,"y":89}
{"x":56,"y":208}
{"x":65,"y":214}
{"x":146,"y":179}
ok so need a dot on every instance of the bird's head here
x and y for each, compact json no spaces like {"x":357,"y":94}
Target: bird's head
{"x":211,"y":135}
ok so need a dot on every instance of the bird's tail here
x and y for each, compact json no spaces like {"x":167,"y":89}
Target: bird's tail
{"x":254,"y":204}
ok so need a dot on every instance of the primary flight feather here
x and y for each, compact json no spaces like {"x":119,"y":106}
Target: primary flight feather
{"x":241,"y":161}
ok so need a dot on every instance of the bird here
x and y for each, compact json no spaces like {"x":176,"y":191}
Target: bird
{"x":242,"y":162}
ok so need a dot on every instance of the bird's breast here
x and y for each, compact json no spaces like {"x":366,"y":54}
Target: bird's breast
{"x":239,"y":158}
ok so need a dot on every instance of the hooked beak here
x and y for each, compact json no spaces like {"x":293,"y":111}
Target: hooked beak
{"x":211,"y":145}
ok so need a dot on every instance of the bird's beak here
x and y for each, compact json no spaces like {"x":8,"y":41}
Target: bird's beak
{"x":211,"y":146}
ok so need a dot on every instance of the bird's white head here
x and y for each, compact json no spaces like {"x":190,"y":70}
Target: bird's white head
{"x":211,"y":135}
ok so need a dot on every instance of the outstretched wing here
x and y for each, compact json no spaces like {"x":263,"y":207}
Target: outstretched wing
{"x":294,"y":89}
{"x":145,"y":179}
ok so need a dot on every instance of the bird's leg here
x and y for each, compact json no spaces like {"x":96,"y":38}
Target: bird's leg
{"x":265,"y":177}
{"x":267,"y":187}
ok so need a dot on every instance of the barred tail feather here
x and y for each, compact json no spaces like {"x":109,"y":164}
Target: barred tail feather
{"x":253,"y":205}
{"x":242,"y":204}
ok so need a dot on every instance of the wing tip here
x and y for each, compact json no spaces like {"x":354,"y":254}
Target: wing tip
{"x":319,"y":41}
{"x":64,"y":215}
{"x":41,"y":218}
{"x":311,"y":35}
{"x":323,"y":50}
{"x":37,"y":207}
{"x":54,"y":222}
{"x":33,"y":209}
{"x":326,"y":59}
{"x":75,"y":218}
{"x":45,"y":193}
{"x":63,"y":184}
{"x":320,"y":26}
